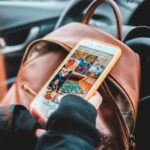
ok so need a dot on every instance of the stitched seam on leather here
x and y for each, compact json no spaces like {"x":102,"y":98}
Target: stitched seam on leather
{"x":107,"y":93}
{"x":118,"y":116}
{"x":117,"y":109}
{"x":127,"y":96}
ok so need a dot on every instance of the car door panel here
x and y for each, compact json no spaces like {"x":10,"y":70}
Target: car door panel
{"x":20,"y":24}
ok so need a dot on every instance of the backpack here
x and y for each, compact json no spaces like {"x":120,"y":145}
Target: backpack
{"x":116,"y":117}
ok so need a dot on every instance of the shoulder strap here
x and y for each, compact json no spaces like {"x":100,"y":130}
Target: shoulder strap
{"x":90,"y":11}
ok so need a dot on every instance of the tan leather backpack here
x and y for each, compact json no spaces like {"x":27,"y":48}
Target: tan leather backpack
{"x":117,"y":114}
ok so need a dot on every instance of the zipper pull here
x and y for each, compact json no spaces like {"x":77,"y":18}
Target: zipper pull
{"x":132,"y":142}
{"x":29,"y":90}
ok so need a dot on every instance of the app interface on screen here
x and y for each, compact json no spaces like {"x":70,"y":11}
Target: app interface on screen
{"x":77,"y":76}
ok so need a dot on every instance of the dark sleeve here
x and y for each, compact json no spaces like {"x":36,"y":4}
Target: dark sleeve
{"x":17,"y":128}
{"x":71,"y":126}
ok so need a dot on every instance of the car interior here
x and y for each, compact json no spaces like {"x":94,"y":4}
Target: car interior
{"x":22,"y":22}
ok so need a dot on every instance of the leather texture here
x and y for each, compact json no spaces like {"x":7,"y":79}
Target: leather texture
{"x":120,"y":91}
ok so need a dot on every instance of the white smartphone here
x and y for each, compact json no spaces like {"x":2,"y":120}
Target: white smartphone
{"x":81,"y":73}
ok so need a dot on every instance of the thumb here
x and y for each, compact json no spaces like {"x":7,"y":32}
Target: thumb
{"x":42,"y":120}
{"x":96,"y":100}
{"x":39,"y":133}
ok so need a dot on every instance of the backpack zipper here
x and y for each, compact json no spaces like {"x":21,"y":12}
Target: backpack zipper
{"x":131,"y":134}
{"x":66,"y":47}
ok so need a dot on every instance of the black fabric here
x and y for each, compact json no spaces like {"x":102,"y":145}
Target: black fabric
{"x":63,"y":141}
{"x":71,"y":126}
{"x":142,"y":132}
{"x":17,"y":128}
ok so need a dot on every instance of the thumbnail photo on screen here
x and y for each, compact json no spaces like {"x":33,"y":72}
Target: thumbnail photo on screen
{"x":79,"y":74}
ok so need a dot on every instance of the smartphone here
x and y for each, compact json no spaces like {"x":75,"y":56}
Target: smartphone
{"x":81,"y":73}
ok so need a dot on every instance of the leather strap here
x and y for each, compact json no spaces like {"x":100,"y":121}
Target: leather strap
{"x":90,"y":11}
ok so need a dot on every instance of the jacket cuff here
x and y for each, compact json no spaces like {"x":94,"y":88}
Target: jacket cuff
{"x":17,"y":128}
{"x":75,"y":116}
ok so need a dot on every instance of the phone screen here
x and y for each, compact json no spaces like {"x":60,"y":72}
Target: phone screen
{"x":77,"y":76}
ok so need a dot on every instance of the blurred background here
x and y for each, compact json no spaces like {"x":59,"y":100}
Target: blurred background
{"x":22,"y":21}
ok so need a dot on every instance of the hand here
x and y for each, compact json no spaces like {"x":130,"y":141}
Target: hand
{"x":95,"y":100}
{"x":41,"y":120}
